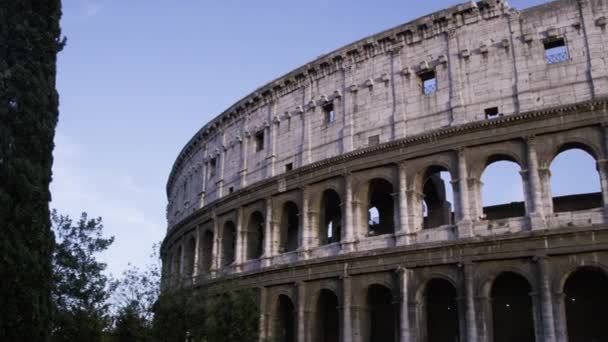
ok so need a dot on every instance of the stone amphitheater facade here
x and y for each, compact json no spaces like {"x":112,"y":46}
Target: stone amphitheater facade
{"x":322,"y":188}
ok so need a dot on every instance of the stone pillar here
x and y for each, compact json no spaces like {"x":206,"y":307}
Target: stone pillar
{"x":561,"y":330}
{"x":544,"y":173}
{"x":546,"y":300}
{"x":267,"y":233}
{"x":456,"y":101}
{"x":262,"y":327}
{"x":305,"y":228}
{"x":239,"y":253}
{"x":403,"y":230}
{"x":222,"y":162}
{"x":301,"y":314}
{"x":272,"y":151}
{"x":348,"y":227}
{"x":347,"y":302}
{"x":195,"y":265}
{"x":405,"y":333}
{"x":205,"y":176}
{"x":244,"y":155}
{"x":306,"y":117}
{"x":536,"y":215}
{"x":415,"y":211}
{"x":602,"y":165}
{"x":469,"y":288}
{"x":349,"y":112}
{"x":465,"y":226}
{"x":215,"y":264}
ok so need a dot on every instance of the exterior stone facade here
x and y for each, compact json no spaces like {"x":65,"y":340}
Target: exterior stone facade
{"x":321,"y":188}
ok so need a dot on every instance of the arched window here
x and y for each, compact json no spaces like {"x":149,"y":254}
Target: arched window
{"x":290,"y":226}
{"x":382,"y":315}
{"x":441,"y":311}
{"x":380,"y":207}
{"x":575,"y":183}
{"x":228,"y":243}
{"x":207,"y":251}
{"x":327,"y":318}
{"x":586,"y":301}
{"x":512,"y":309}
{"x":189,"y":257}
{"x":502,"y":194}
{"x":438,"y":197}
{"x":285,"y":320}
{"x":330,"y":221}
{"x":255,"y":236}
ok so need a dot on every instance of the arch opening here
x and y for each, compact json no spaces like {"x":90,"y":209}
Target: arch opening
{"x":575,"y":183}
{"x":284,"y":330}
{"x":383,"y":318}
{"x":438,"y":197}
{"x":328,"y":317}
{"x":380,"y":207}
{"x":255,"y":236}
{"x":330,"y":229}
{"x":207,"y":251}
{"x":442,"y":322}
{"x":512,"y":315}
{"x":290,"y":226}
{"x":502,"y":194}
{"x":228,"y":243}
{"x":586,"y":299}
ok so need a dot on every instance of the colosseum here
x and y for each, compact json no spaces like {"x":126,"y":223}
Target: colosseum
{"x":349,"y":193}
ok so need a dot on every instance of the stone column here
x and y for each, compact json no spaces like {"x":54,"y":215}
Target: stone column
{"x":262,"y":327}
{"x":239,"y":252}
{"x":602,"y":165}
{"x":415,"y":211}
{"x":306,"y":117}
{"x":305,"y":228}
{"x":403,"y":229}
{"x":215,"y":264}
{"x":197,"y":244}
{"x":347,"y":328}
{"x":347,"y":237}
{"x":244,"y":155}
{"x":536,"y":215}
{"x":267,"y":233}
{"x":349,"y":111}
{"x":465,"y":226}
{"x":222,"y":162}
{"x":456,"y":100}
{"x":405,"y":327}
{"x":548,"y":321}
{"x":301,"y":324}
{"x":205,"y":176}
{"x":272,"y":151}
{"x":561,"y":330}
{"x":469,"y":288}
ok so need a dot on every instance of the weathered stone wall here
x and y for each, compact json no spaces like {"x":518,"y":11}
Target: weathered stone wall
{"x":388,"y":139}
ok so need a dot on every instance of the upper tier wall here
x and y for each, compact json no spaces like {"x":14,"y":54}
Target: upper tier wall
{"x":484,"y":55}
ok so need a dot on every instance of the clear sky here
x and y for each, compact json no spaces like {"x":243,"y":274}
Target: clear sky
{"x":138,"y":78}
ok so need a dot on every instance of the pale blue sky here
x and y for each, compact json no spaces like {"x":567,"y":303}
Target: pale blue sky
{"x":139,"y":77}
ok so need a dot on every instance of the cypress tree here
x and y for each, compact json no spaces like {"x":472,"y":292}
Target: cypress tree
{"x":29,"y":43}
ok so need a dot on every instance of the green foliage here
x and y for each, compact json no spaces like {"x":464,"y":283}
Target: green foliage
{"x":233,"y":316}
{"x":80,"y":293}
{"x":130,"y":325}
{"x":29,"y":43}
{"x":172,"y":316}
{"x":229,"y":317}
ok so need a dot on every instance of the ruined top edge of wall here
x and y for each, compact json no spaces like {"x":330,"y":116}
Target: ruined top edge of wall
{"x":413,"y":32}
